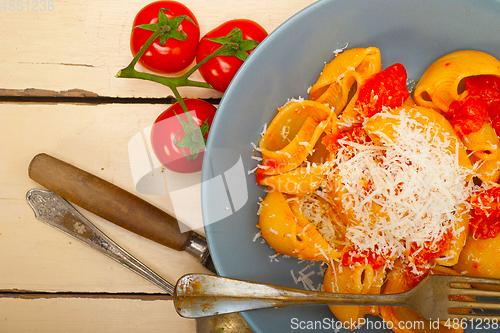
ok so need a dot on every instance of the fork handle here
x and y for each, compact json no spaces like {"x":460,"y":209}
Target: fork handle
{"x":193,"y":292}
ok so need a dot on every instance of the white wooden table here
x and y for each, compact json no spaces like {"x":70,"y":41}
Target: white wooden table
{"x":74,"y":48}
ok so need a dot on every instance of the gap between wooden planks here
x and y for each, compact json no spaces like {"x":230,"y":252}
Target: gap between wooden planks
{"x":76,"y":96}
{"x":27,"y":294}
{"x":79,"y":96}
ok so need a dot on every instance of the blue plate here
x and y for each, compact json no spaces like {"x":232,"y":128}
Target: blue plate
{"x":285,"y":65}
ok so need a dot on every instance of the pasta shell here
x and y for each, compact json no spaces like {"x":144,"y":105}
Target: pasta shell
{"x":361,"y":279}
{"x":398,"y":317}
{"x":303,"y":180}
{"x":438,"y":86}
{"x":290,"y":234}
{"x":489,"y":170}
{"x":335,"y":83}
{"x":480,"y":258}
{"x":304,"y":122}
{"x":484,"y":143}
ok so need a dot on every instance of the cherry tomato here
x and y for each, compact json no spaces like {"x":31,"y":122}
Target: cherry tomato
{"x":175,"y":55}
{"x":469,"y":114}
{"x":387,"y":88}
{"x":220,"y":70}
{"x":168,"y":131}
{"x":485,"y":215}
{"x":481,"y":103}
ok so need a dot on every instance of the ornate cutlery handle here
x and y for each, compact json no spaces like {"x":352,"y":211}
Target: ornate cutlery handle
{"x":59,"y":213}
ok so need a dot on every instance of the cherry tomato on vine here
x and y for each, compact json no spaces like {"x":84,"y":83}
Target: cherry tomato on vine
{"x":175,"y":49}
{"x":178,"y":140}
{"x":220,"y":70}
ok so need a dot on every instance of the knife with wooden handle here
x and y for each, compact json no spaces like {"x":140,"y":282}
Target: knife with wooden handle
{"x":116,"y":205}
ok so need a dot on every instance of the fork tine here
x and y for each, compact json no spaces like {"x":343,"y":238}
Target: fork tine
{"x":473,"y":316}
{"x":474,"y":292}
{"x":474,"y":305}
{"x":472,"y":280}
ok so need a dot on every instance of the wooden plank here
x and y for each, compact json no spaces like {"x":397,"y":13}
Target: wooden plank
{"x":35,"y":295}
{"x":91,"y":315}
{"x":82,"y":44}
{"x":94,"y":138}
{"x":37,"y":257}
{"x":74,"y":50}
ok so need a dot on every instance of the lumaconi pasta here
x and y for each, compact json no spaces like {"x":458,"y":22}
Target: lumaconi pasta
{"x":361,"y":279}
{"x":382,"y":188}
{"x":289,"y":232}
{"x":440,"y":85}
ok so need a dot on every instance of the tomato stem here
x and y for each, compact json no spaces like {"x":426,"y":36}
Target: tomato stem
{"x":191,"y":129}
{"x":171,"y":82}
{"x":183,"y":106}
{"x":219,"y":51}
{"x":140,"y":53}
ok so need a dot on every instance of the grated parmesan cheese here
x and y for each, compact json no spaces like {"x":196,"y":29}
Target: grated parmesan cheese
{"x":264,"y":130}
{"x":285,"y":130}
{"x":253,"y":170}
{"x":336,"y":52}
{"x":414,"y":181}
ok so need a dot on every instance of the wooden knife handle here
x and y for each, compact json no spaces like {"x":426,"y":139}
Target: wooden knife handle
{"x":108,"y":201}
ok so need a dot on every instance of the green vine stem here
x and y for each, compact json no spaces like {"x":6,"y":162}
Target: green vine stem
{"x":232,"y":44}
{"x":172,"y":82}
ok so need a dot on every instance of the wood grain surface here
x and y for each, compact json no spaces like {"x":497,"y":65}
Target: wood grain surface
{"x":59,"y":95}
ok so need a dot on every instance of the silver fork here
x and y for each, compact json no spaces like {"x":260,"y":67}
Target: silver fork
{"x":200,"y":295}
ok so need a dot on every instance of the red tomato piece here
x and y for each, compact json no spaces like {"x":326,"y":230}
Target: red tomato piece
{"x":356,"y":134}
{"x":495,"y":123}
{"x":484,"y":227}
{"x":220,"y":70}
{"x":481,"y":103}
{"x":352,"y":257}
{"x":422,"y":255}
{"x":485,"y":215}
{"x":167,"y":130}
{"x":384,"y":89}
{"x":175,"y":55}
{"x":469,"y":114}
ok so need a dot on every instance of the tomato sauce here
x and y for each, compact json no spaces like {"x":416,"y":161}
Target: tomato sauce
{"x":353,"y":256}
{"x":485,"y":215}
{"x":481,"y":103}
{"x":411,"y":278}
{"x":269,"y":167}
{"x":356,"y":134}
{"x":384,"y":89}
{"x":430,"y":250}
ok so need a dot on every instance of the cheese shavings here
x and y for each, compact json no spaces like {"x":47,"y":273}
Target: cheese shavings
{"x":403,"y":190}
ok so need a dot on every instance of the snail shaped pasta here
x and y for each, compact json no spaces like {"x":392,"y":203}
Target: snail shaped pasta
{"x":443,"y":83}
{"x":289,"y":141}
{"x":336,"y":86}
{"x":479,"y":257}
{"x":289,"y":232}
{"x":362,"y":279}
{"x":440,"y":84}
{"x":383,"y":198}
